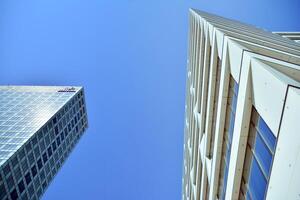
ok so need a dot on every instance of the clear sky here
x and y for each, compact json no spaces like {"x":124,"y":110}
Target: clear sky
{"x":130,"y":56}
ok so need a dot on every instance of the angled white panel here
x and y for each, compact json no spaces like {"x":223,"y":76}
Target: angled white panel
{"x":235,"y":52}
{"x":268,"y":94}
{"x":219,"y":38}
{"x":211,"y":33}
{"x":285,"y":177}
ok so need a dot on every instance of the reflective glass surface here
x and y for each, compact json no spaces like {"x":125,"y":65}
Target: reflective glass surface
{"x":23,"y":110}
{"x":257,"y":182}
{"x":266,"y":133}
{"x":262,"y":155}
{"x":39,"y":139}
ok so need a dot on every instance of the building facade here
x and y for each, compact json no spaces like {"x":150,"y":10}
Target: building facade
{"x":39,"y":127}
{"x":242,"y":138}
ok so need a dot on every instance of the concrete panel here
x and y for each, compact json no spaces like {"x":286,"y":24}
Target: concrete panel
{"x":235,"y":52}
{"x":219,"y":39}
{"x":285,"y":177}
{"x":241,"y":129}
{"x":268,"y":94}
{"x":211,"y":33}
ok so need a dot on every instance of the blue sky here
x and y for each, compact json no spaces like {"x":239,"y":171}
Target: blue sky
{"x":131,"y":58}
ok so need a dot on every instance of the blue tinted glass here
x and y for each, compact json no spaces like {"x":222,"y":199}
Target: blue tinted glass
{"x":267,"y":134}
{"x":233,"y":103}
{"x":231,"y":127}
{"x":263,"y":154}
{"x":236,"y":88}
{"x":223,"y":194}
{"x":228,"y":155}
{"x":257,"y":182}
{"x":248,"y":197}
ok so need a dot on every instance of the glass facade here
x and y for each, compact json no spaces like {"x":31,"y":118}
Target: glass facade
{"x":259,"y":155}
{"x":227,"y":136}
{"x":39,"y":127}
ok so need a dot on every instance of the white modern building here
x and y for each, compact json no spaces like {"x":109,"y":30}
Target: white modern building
{"x":242,"y":124}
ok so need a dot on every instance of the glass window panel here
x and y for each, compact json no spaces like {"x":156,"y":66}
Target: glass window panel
{"x":257,"y":182}
{"x":233,"y":103}
{"x":263,"y":155}
{"x":267,"y":134}
{"x":231,"y":126}
{"x":228,"y":151}
{"x":248,"y":197}
{"x":260,"y":152}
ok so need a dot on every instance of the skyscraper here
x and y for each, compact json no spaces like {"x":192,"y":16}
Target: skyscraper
{"x":242,"y":138}
{"x":39,"y":127}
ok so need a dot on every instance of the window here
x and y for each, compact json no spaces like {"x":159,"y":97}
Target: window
{"x":40,"y":163}
{"x":37,"y":182}
{"x":42,"y":175}
{"x":45,"y":129}
{"x":6,"y":169}
{"x":28,"y":147}
{"x":34,"y":141}
{"x":47,"y":140}
{"x":21,"y":186}
{"x":56,"y":130}
{"x":17,"y":172}
{"x":69,"y":127}
{"x":2,"y":191}
{"x":33,"y":171}
{"x":45,"y":157}
{"x":40,"y":135}
{"x":58,"y":141}
{"x":28,"y":178}
{"x":42,"y":144}
{"x":31,"y":190}
{"x":24,"y":165}
{"x":10,"y":182}
{"x":44,"y":185}
{"x":14,"y":195}
{"x":75,"y":119}
{"x":54,"y":145}
{"x":54,"y":120}
{"x":31,"y":158}
{"x":39,"y":192}
{"x":66,"y":132}
{"x":49,"y":151}
{"x":36,"y":151}
{"x":227,"y":136}
{"x":259,"y":155}
{"x":14,"y":161}
{"x":21,"y":154}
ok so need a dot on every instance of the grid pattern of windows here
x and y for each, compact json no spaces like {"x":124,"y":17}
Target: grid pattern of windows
{"x":227,"y":137}
{"x":259,"y":155}
{"x":22,"y":113}
{"x":56,"y":121}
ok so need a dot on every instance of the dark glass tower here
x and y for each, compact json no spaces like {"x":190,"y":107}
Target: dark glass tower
{"x":39,"y":127}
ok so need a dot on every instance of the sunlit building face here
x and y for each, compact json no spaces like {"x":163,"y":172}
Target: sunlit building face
{"x":241,"y":114}
{"x":39,"y":127}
